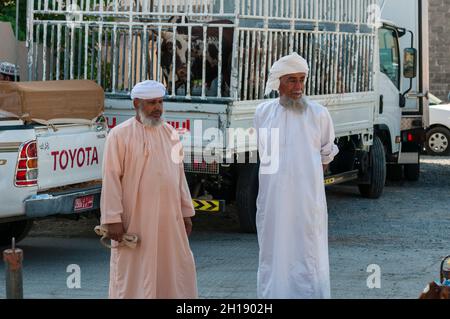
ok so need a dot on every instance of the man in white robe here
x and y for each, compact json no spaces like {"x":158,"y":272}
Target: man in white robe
{"x":292,"y":219}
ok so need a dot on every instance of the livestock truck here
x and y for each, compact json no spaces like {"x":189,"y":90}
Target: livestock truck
{"x":368,"y":65}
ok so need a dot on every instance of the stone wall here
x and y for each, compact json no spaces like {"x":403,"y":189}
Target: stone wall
{"x":440,"y":48}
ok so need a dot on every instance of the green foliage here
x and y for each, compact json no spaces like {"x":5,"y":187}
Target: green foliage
{"x":8,"y":14}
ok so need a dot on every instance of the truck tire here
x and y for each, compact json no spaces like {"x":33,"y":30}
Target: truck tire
{"x":246,"y":194}
{"x":438,"y":140}
{"x":18,"y":229}
{"x":412,"y":172}
{"x":377,"y":171}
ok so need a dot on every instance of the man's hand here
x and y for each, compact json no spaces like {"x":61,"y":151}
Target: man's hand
{"x":115,"y":231}
{"x":188,"y":225}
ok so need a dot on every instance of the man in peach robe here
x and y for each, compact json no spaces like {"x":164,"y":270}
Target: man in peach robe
{"x":145,"y":193}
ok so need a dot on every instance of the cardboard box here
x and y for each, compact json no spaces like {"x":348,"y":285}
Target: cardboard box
{"x":47,"y":100}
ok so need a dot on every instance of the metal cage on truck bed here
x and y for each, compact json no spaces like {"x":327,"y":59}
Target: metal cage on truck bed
{"x":212,"y":50}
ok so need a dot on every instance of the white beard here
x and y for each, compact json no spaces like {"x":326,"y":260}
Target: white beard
{"x":298,"y":105}
{"x":147,"y":120}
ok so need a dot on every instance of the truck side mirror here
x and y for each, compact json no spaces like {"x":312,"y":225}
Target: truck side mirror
{"x":410,"y":63}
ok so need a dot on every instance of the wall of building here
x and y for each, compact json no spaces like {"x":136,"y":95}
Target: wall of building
{"x":440,"y":48}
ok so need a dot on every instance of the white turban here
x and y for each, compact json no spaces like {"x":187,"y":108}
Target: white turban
{"x":288,"y":64}
{"x":148,"y":90}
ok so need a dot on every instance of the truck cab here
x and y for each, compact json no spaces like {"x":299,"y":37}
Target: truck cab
{"x":403,"y":85}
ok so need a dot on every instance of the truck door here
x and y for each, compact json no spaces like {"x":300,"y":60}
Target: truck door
{"x":389,"y":83}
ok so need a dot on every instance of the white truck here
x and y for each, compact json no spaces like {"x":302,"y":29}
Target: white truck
{"x":214,"y":56}
{"x":47,"y":167}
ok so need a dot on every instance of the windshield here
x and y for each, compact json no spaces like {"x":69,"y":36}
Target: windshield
{"x":433,"y":99}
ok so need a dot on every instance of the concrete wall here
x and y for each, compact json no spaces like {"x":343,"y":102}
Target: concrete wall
{"x":8,"y":49}
{"x":440,"y":48}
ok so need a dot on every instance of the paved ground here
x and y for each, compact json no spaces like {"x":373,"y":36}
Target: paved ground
{"x":405,"y":233}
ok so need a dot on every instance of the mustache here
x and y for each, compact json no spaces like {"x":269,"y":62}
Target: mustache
{"x":157,"y":113}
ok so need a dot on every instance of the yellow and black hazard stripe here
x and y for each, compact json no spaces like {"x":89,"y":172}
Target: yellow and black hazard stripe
{"x":211,"y":206}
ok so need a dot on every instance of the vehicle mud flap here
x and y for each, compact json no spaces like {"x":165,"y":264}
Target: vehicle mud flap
{"x":246,"y":194}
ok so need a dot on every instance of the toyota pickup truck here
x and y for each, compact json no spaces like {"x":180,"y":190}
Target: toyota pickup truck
{"x":51,"y":151}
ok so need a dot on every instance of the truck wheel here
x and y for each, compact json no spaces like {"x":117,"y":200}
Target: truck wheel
{"x":394,"y":172}
{"x":246,"y":194}
{"x":412,"y":172}
{"x":438,"y":139}
{"x":19,"y":230}
{"x":377,"y":171}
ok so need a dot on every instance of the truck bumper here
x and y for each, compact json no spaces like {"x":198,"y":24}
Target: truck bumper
{"x":63,"y":203}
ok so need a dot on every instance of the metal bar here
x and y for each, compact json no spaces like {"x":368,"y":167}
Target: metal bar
{"x":174,"y":59}
{"x":345,"y":62}
{"x":258,"y":63}
{"x":86,"y":52}
{"x":335,"y":62}
{"x":315,"y":63}
{"x":129,"y":47}
{"x":252,"y":64}
{"x":189,"y":61}
{"x":66,"y":52}
{"x":275,"y":48}
{"x":205,"y":45}
{"x":123,"y":59}
{"x":340,"y":64}
{"x":353,"y":46}
{"x":115,"y":65}
{"x":219,"y":66}
{"x":246,"y":65}
{"x":52,"y":52}
{"x":263,"y":64}
{"x":282,"y":8}
{"x":367,"y":73}
{"x":320,"y":65}
{"x":105,"y":61}
{"x":309,"y":54}
{"x":79,"y":32}
{"x":327,"y":60}
{"x":36,"y":66}
{"x":93,"y":53}
{"x":135,"y":56}
{"x":44,"y":53}
{"x":241,"y":35}
{"x":159,"y":53}
{"x":371,"y":63}
{"x":358,"y":65}
{"x":350,"y":63}
{"x":72,"y":53}
{"x":144,"y":44}
{"x":99,"y":54}
{"x":320,"y":9}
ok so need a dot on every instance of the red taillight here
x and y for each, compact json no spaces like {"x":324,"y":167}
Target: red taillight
{"x":32,"y":150}
{"x":27,"y":169}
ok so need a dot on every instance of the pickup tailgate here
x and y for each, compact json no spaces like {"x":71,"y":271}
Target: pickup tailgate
{"x":69,"y":154}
